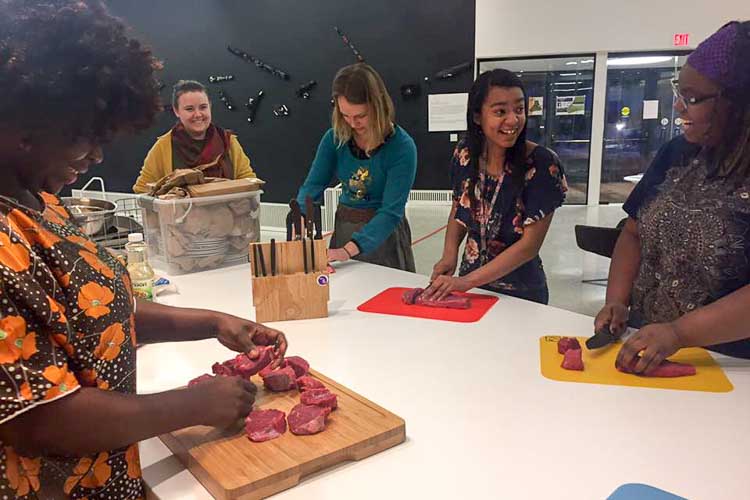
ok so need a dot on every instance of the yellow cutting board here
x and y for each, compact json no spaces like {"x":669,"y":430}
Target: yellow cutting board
{"x":599,"y":368}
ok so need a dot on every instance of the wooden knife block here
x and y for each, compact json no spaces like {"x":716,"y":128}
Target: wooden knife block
{"x":292,"y":293}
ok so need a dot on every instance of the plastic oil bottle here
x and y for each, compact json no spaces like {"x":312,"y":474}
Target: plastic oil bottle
{"x":141,"y":273}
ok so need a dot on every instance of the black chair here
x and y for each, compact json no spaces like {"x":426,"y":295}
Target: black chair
{"x":598,"y":240}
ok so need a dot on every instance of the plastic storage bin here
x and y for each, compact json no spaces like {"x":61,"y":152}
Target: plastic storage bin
{"x":188,"y":235}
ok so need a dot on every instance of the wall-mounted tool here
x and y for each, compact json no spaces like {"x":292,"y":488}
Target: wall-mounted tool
{"x":258,"y":63}
{"x":349,"y":44}
{"x":224,"y":97}
{"x":281,"y":110}
{"x":220,"y":78}
{"x":451,"y":72}
{"x":252,"y":106}
{"x":410,"y":91}
{"x":304,"y":90}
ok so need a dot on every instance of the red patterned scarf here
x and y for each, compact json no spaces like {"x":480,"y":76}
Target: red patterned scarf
{"x":211,"y":156}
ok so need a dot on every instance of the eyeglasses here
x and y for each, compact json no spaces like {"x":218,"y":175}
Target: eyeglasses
{"x":689,"y":101}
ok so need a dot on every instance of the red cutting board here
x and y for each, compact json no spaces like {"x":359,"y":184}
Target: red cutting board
{"x":389,"y":302}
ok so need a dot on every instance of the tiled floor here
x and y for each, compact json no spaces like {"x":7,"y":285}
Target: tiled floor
{"x":565,"y":264}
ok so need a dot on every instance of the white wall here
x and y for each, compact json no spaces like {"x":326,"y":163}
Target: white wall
{"x":508,"y":28}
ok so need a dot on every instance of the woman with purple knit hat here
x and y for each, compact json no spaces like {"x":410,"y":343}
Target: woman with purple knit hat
{"x":681,"y":267}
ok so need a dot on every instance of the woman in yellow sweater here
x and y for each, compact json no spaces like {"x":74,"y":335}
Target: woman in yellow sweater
{"x":194,"y":142}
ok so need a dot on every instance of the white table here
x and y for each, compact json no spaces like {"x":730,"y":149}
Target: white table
{"x":481,"y":421}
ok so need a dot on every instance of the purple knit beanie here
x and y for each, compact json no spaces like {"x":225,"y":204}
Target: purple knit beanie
{"x":716,"y":58}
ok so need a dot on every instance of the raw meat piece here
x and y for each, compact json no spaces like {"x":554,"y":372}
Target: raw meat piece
{"x":198,"y":380}
{"x":665,"y":369}
{"x":573,"y":360}
{"x":306,"y":383}
{"x":566,"y":343}
{"x":280,"y":380}
{"x":264,"y":425}
{"x":246,"y":367}
{"x":307,"y":419}
{"x":222,"y":369}
{"x":300,"y":366}
{"x":319,"y":397}
{"x":452,"y":301}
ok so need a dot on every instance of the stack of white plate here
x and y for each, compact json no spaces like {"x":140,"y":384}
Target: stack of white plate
{"x":207,"y":248}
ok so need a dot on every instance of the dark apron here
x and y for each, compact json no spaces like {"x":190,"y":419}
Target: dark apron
{"x":394,"y":252}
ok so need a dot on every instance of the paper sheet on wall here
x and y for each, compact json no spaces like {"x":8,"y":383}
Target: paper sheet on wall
{"x":650,"y":110}
{"x":446,"y":112}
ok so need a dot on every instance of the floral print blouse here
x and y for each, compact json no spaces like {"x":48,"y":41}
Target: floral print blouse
{"x":66,"y":321}
{"x":517,"y":205}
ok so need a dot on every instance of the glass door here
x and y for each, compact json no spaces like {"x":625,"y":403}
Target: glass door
{"x":639,"y":118}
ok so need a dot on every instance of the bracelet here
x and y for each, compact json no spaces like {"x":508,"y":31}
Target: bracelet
{"x":347,"y":252}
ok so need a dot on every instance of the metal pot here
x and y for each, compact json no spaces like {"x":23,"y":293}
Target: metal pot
{"x":91,"y":214}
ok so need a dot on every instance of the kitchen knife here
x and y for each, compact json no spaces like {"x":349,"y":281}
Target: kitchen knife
{"x":296,"y":219}
{"x":262,"y":260}
{"x":273,"y":257}
{"x":601,"y":338}
{"x":309,"y":223}
{"x":256,"y":269}
{"x":289,"y":223}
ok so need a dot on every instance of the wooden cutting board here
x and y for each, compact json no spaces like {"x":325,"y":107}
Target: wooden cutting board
{"x":233,"y":467}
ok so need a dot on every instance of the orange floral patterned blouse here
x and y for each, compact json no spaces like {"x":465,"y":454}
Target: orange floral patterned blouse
{"x":66,"y":321}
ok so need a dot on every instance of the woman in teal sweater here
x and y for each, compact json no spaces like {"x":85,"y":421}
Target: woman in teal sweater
{"x":376,"y":162}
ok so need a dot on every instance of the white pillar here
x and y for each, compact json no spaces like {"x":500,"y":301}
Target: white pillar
{"x":597,"y":129}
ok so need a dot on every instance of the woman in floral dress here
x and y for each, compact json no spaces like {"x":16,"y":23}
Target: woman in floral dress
{"x":70,"y":419}
{"x":505,"y":190}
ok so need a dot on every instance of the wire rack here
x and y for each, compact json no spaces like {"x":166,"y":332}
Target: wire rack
{"x":126,"y":219}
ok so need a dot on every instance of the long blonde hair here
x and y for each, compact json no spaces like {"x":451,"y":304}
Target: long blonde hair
{"x":361,"y":84}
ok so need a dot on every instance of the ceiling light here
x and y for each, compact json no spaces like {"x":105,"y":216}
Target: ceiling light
{"x":635,"y":61}
{"x":571,"y":63}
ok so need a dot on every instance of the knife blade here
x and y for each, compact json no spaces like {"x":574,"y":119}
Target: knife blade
{"x":309,"y":222}
{"x":601,"y":338}
{"x":262,"y":260}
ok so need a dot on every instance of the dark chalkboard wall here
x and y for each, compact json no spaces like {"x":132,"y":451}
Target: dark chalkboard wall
{"x":404,"y":40}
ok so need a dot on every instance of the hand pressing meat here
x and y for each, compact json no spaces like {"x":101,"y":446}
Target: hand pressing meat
{"x":664,"y":369}
{"x":573,"y":360}
{"x":264,"y":425}
{"x":319,"y":397}
{"x":280,"y":380}
{"x":307,"y":419}
{"x":242,"y":366}
{"x":567,"y":343}
{"x":307,"y":383}
{"x":224,"y":401}
{"x":415,"y":296}
{"x":246,"y":336}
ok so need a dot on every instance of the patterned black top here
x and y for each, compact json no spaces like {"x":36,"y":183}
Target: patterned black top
{"x":694,"y":231}
{"x":517,"y":205}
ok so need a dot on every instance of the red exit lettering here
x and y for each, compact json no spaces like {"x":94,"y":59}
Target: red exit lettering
{"x":681,"y":39}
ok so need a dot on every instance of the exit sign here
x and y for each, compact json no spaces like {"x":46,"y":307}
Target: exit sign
{"x":681,"y":39}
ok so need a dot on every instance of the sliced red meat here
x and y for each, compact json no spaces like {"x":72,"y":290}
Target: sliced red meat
{"x":319,"y":397}
{"x":280,"y":380}
{"x":246,"y":367}
{"x":264,"y":425}
{"x":665,"y":369}
{"x":452,"y":301}
{"x":307,"y":419}
{"x":198,"y":380}
{"x":573,"y":360}
{"x":222,"y":369}
{"x":306,"y":383}
{"x":566,"y":343}
{"x":300,"y":366}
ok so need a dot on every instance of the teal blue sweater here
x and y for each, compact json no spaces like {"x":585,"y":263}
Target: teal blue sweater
{"x":382,"y":182}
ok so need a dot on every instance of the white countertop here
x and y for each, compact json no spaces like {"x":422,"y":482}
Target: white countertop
{"x":481,"y":420}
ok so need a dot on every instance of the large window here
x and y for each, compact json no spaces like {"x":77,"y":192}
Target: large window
{"x":639,"y":117}
{"x":560,"y":93}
